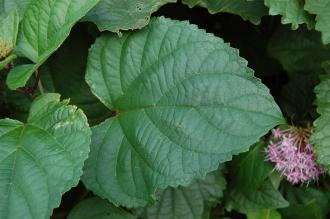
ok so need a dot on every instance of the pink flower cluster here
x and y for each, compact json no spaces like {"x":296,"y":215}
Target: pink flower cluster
{"x":293,"y":155}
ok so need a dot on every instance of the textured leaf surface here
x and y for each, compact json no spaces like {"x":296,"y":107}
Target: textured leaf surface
{"x":299,"y":51}
{"x":116,"y":15}
{"x":172,"y":86}
{"x":322,"y":10}
{"x":321,"y":133}
{"x":45,"y":26}
{"x":292,"y":12}
{"x":7,"y":6}
{"x":96,"y":208}
{"x":9,"y":28}
{"x":42,"y":159}
{"x":248,"y":10}
{"x":192,"y":201}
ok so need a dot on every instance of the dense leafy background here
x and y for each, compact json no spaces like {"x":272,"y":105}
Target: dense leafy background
{"x":165,"y":105}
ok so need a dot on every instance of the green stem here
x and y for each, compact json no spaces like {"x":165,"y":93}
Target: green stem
{"x":7,"y":60}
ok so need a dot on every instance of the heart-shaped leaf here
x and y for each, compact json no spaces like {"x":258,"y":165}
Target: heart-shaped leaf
{"x":184,"y":102}
{"x":42,"y":159}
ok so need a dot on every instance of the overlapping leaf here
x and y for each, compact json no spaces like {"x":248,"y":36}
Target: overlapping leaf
{"x":292,"y":12}
{"x":96,"y":208}
{"x":322,"y":10}
{"x":116,"y":15}
{"x":44,"y":27}
{"x":293,"y":48}
{"x":193,"y":201}
{"x":250,"y":188}
{"x":42,"y":159}
{"x":184,"y":102}
{"x":64,"y":72}
{"x":321,"y":136}
{"x":8,"y":34}
{"x":306,"y":203}
{"x":248,"y":10}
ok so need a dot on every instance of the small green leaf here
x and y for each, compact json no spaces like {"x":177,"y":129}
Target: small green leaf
{"x":250,"y":188}
{"x":248,"y":10}
{"x":321,"y":134}
{"x":64,"y":73}
{"x":292,"y":12}
{"x":117,"y":15}
{"x":264,"y":214}
{"x":322,"y":10}
{"x":42,"y":159}
{"x":300,"y":51}
{"x":191,"y":3}
{"x":96,"y":208}
{"x":306,"y":203}
{"x":171,"y":87}
{"x":266,"y":196}
{"x":193,"y":201}
{"x":45,"y":26}
{"x":297,"y":96}
{"x":20,"y":75}
{"x":249,"y":170}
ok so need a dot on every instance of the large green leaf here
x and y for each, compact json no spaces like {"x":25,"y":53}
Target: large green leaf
{"x":248,"y":10}
{"x":64,"y":73}
{"x":6,"y":6}
{"x":116,"y":15}
{"x":96,"y":208}
{"x":42,"y":159}
{"x":185,"y":102}
{"x":192,"y":202}
{"x":322,"y":10}
{"x":44,"y":27}
{"x":299,"y":51}
{"x":292,"y":12}
{"x":321,"y":133}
